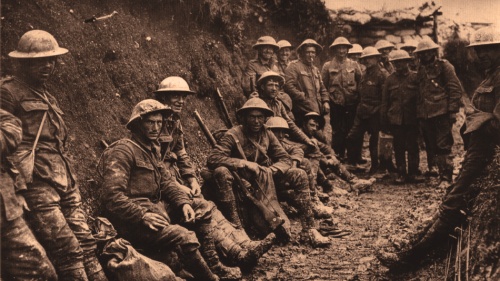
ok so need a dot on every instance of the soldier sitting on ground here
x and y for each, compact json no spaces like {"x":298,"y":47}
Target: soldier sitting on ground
{"x":255,"y":155}
{"x":145,"y":204}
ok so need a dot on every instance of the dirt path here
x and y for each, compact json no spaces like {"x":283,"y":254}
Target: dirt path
{"x":385,"y":216}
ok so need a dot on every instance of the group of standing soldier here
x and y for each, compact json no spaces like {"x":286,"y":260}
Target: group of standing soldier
{"x":279,"y":152}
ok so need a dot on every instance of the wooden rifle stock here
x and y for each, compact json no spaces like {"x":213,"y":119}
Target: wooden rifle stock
{"x":225,"y":112}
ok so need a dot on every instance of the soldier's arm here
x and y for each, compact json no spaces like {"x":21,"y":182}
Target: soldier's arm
{"x":117,"y":165}
{"x":295,"y":132}
{"x":323,"y":92}
{"x":292,"y":76}
{"x":7,"y":101}
{"x":453,"y":87}
{"x":494,"y":124}
{"x":170,"y":190}
{"x":385,"y":104}
{"x":325,"y":75}
{"x":295,"y":152}
{"x":10,"y":133}
{"x":221,"y":154}
{"x":184,"y":163}
{"x":281,"y":160}
{"x":248,"y":79}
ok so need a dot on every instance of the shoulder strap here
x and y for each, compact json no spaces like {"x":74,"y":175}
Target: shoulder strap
{"x":238,"y":145}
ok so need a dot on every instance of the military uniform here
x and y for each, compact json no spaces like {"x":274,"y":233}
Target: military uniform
{"x":399,"y":115}
{"x":23,"y":258}
{"x":252,"y":73}
{"x":440,"y":93}
{"x":368,"y":114}
{"x":341,"y":79}
{"x":304,"y":85}
{"x":56,"y":215}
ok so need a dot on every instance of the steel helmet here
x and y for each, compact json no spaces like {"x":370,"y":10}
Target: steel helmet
{"x":425,"y":45}
{"x":269,"y":74}
{"x":383,"y":44}
{"x":255,"y":103}
{"x":266,"y":41}
{"x":356,"y":49}
{"x":174,"y":84}
{"x":340,"y":41}
{"x":277,"y":122}
{"x":369,"y":52}
{"x":310,"y":42}
{"x":37,"y":44}
{"x":486,"y":36}
{"x":409,"y":44}
{"x":399,"y":55}
{"x":146,"y":107}
{"x":316,"y":116}
{"x":284,"y":44}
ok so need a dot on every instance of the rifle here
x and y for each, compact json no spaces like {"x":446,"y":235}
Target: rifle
{"x":225,"y":112}
{"x":270,"y":215}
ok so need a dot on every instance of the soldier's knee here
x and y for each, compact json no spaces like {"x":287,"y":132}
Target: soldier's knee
{"x":223,"y":173}
{"x":203,"y":208}
{"x":297,"y":178}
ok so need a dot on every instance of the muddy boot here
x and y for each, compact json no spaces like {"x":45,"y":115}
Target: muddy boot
{"x":255,"y":250}
{"x":314,"y":238}
{"x":196,"y":265}
{"x":94,"y":269}
{"x":412,"y":257}
{"x":212,"y":258}
{"x":321,"y":211}
{"x":400,"y":179}
{"x":361,"y":185}
{"x":432,"y":172}
{"x":415,"y":178}
{"x":230,"y":210}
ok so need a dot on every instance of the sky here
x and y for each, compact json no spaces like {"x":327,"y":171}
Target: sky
{"x":461,"y":10}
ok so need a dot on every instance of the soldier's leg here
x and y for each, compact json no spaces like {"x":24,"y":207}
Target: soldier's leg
{"x":225,"y":195}
{"x":373,"y":143}
{"x":339,"y":129}
{"x":427,"y":131}
{"x":23,"y":258}
{"x":399,"y":143}
{"x":444,"y":143}
{"x":414,"y":174}
{"x":52,"y":230}
{"x":356,"y":133}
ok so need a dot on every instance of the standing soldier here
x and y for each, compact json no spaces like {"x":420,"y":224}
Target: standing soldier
{"x":385,"y":47}
{"x":284,"y":56}
{"x":398,"y":114}
{"x":409,"y":46}
{"x":56,"y":215}
{"x":266,"y":49}
{"x":368,"y":111}
{"x":483,"y":127}
{"x":354,"y":54}
{"x":303,"y":82}
{"x":341,"y":76}
{"x":146,"y":205}
{"x":438,"y":103}
{"x":23,"y":258}
{"x":256,"y":155}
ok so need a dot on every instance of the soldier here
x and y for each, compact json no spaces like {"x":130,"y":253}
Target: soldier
{"x":326,"y":156}
{"x":173,"y":92}
{"x":368,"y":111}
{"x":23,"y":258}
{"x":409,"y":46}
{"x":303,"y":82}
{"x":483,"y":127}
{"x":266,"y":48}
{"x":354,"y":54}
{"x":385,"y":47}
{"x":284,"y":56}
{"x":341,"y":76}
{"x":255,"y":154}
{"x":438,"y":103}
{"x":51,"y":192}
{"x":144,"y":203}
{"x":398,"y":113}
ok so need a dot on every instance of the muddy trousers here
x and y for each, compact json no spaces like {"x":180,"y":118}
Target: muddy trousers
{"x":23,"y":258}
{"x":438,"y":130}
{"x":405,"y":140}
{"x":370,"y":125}
{"x":334,"y":166}
{"x":479,"y":154}
{"x":342,"y":120}
{"x":293,"y":186}
{"x":59,"y":223}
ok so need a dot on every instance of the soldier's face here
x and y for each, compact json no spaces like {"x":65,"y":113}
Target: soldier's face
{"x":175,"y":100}
{"x":311,"y":126}
{"x":488,"y":55}
{"x":385,"y":52}
{"x":254,"y":120}
{"x":427,"y":56}
{"x":266,"y":52}
{"x":309,"y":55}
{"x":38,"y":70}
{"x":279,"y":133}
{"x":271,"y":88}
{"x":150,"y":125}
{"x":354,"y":57}
{"x":370,"y":61}
{"x":284,"y":54}
{"x":341,"y":51}
{"x":409,"y":51}
{"x":401,"y":65}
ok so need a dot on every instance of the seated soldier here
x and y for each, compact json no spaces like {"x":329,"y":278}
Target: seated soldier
{"x":255,"y":156}
{"x":328,"y":162}
{"x":146,"y":206}
{"x":173,"y":92}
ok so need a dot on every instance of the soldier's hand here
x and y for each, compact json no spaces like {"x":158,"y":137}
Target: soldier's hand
{"x":326,"y":108}
{"x":311,"y":143}
{"x":253,"y":95}
{"x":22,"y":202}
{"x":188,"y":212}
{"x":154,"y":221}
{"x":195,"y":187}
{"x":185,"y":189}
{"x":252,"y":166}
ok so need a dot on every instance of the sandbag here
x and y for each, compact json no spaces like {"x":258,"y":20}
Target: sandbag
{"x":125,"y":263}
